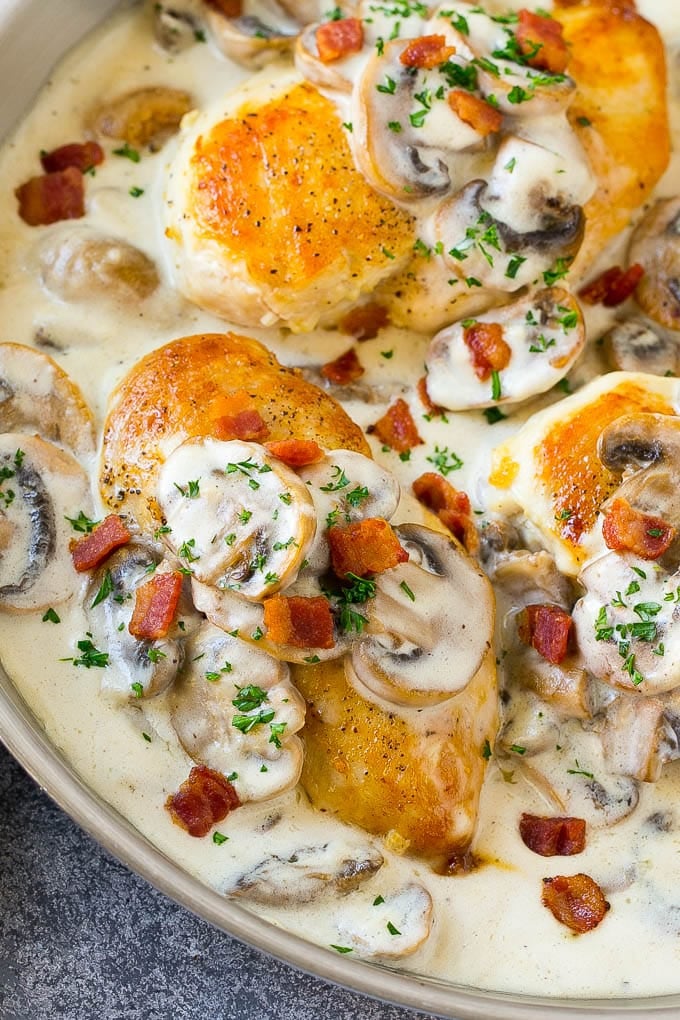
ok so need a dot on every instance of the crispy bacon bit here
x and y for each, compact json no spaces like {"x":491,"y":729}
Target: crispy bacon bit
{"x":553,"y":837}
{"x":365,"y":321}
{"x":575,"y":900}
{"x":364,"y":547}
{"x":296,"y":452}
{"x":299,"y":621}
{"x":626,"y":529}
{"x":613,"y":286}
{"x":421,"y":389}
{"x":344,"y":369}
{"x":428,"y":51}
{"x":91,"y":550}
{"x":82,"y":155}
{"x":397,"y":428}
{"x":204,"y":798}
{"x":52,"y":197}
{"x":489,"y":351}
{"x":155,"y":606}
{"x":480,"y":115}
{"x":235,"y":416}
{"x":336,"y":39}
{"x":230,"y":8}
{"x":451,"y":506}
{"x":546,"y":628}
{"x":540,"y":40}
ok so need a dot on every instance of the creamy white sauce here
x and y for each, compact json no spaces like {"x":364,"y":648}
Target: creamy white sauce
{"x":490,"y":929}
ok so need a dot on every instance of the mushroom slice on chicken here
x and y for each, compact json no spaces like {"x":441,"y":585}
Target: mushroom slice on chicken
{"x":79,"y":264}
{"x":638,"y":739}
{"x":176,"y":25}
{"x":430,"y":624}
{"x":235,"y":710}
{"x":145,"y":116}
{"x":338,"y":866}
{"x":655,"y":245}
{"x":238,"y":518}
{"x":41,"y":488}
{"x":335,"y":75}
{"x":36,"y":395}
{"x":249,"y":39}
{"x":636,"y":346}
{"x":144,"y":668}
{"x":395,"y":927}
{"x":539,"y":337}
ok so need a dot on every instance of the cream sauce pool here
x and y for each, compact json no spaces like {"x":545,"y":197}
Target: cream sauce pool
{"x":490,"y":930}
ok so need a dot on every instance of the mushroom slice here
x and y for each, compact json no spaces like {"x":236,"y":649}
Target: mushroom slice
{"x":235,"y":710}
{"x":412,"y":162}
{"x":247,"y":39}
{"x":346,"y":486}
{"x":338,"y":866}
{"x":633,"y":346}
{"x":501,"y":257}
{"x":36,"y":395}
{"x":338,"y":75}
{"x":144,"y":668}
{"x":175,"y":25}
{"x":655,"y":245}
{"x":393,"y":928}
{"x":146,"y":116}
{"x":430,"y":623}
{"x":41,"y":487}
{"x":239,"y":519}
{"x":637,"y":738}
{"x":545,"y":334}
{"x":79,"y":264}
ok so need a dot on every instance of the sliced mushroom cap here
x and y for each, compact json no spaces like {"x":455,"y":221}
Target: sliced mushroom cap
{"x":545,"y":334}
{"x":633,"y":346}
{"x":337,"y":75}
{"x":40,"y":487}
{"x":143,"y":668}
{"x":346,"y":486}
{"x":36,"y":395}
{"x":235,"y":710}
{"x":407,"y":162}
{"x":79,"y":264}
{"x":393,"y":928}
{"x":480,"y":247}
{"x":430,"y":624}
{"x":146,"y":116}
{"x":637,"y":738}
{"x":239,"y":519}
{"x":338,"y":866}
{"x":176,"y":25}
{"x":249,"y":40}
{"x":655,"y":245}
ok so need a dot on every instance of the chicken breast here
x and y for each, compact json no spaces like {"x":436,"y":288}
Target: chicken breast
{"x":268,"y":220}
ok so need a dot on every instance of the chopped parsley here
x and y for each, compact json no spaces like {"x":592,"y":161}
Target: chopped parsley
{"x":51,"y":616}
{"x":127,"y":152}
{"x":82,"y":523}
{"x":445,"y":461}
{"x":105,"y":589}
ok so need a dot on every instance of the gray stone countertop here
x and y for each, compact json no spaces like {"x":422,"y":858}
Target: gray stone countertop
{"x":81,"y":937}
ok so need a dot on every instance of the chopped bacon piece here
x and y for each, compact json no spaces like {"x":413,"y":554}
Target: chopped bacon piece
{"x":365,"y":321}
{"x":421,"y":389}
{"x":336,"y":39}
{"x":397,"y":428}
{"x":428,"y":51}
{"x":344,"y":369}
{"x":155,"y":606}
{"x":230,"y":8}
{"x":304,"y":622}
{"x":82,"y":155}
{"x":546,"y":628}
{"x":613,"y":286}
{"x":553,"y":837}
{"x":451,"y":506}
{"x":52,"y":197}
{"x":364,"y":547}
{"x":91,"y":550}
{"x":204,"y":798}
{"x":490,"y":353}
{"x":296,"y":452}
{"x":235,"y":416}
{"x":480,"y":115}
{"x":626,"y":529}
{"x":540,"y":40}
{"x":575,"y":900}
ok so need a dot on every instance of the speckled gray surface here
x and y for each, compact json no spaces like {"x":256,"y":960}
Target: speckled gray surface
{"x":82,"y":937}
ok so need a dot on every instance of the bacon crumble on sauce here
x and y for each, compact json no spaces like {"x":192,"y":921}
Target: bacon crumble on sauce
{"x":345,"y":369}
{"x":336,"y":39}
{"x":427,"y":51}
{"x":365,"y":547}
{"x":613,"y":286}
{"x":547,"y":629}
{"x":107,"y":536}
{"x":489,"y":351}
{"x":553,"y":837}
{"x":451,"y":505}
{"x":304,"y":622}
{"x":204,"y":798}
{"x":156,"y":603}
{"x":575,"y":900}
{"x":397,"y":428}
{"x":626,"y":529}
